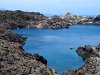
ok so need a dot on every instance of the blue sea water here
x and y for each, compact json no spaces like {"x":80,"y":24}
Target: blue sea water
{"x":55,"y":45}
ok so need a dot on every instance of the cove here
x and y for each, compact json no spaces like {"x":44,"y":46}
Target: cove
{"x":55,"y":45}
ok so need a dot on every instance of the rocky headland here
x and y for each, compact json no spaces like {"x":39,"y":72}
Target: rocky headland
{"x":15,"y":61}
{"x":91,"y":56}
{"x":75,"y":19}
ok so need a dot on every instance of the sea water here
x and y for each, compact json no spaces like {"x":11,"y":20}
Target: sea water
{"x":59,"y":46}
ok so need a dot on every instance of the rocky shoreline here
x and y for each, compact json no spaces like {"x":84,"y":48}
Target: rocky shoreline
{"x":15,"y":61}
{"x":20,"y":19}
{"x":91,"y":56}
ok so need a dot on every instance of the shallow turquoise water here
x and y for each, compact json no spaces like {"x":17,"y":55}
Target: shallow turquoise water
{"x":55,"y":45}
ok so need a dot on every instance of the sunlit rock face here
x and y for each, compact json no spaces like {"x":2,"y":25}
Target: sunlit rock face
{"x":73,"y":19}
{"x":55,"y":22}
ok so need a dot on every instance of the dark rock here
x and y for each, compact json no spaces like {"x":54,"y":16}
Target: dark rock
{"x":97,"y":18}
{"x":40,"y":58}
{"x":71,"y":48}
{"x":87,"y":51}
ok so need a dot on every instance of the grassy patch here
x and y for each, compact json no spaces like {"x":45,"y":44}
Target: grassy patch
{"x":4,"y":49}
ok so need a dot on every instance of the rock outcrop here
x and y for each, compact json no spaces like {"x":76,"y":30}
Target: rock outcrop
{"x":87,"y":51}
{"x":91,"y":56}
{"x":75,"y":19}
{"x":70,"y":18}
{"x":97,"y":19}
{"x":55,"y":22}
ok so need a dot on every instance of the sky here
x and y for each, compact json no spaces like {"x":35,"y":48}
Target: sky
{"x":54,"y":7}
